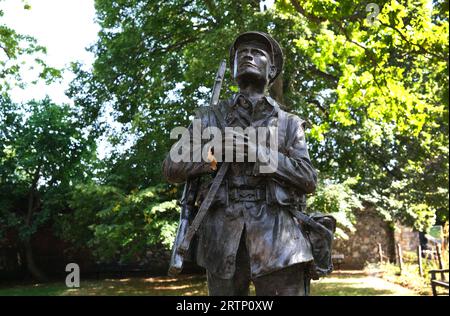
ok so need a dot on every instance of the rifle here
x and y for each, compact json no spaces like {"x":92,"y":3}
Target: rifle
{"x":187,"y":208}
{"x":186,"y":230}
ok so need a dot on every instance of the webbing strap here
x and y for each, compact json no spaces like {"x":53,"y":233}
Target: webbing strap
{"x":282,"y":128}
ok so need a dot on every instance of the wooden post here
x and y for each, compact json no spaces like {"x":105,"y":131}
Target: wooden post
{"x":433,"y":285}
{"x":380,"y":252}
{"x":419,"y":260}
{"x":400,"y":257}
{"x":439,"y":257}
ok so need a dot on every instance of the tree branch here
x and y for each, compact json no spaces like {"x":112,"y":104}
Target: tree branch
{"x":323,"y":74}
{"x":317,"y":103}
{"x":302,"y":11}
{"x":33,"y":186}
{"x":6,"y":51}
{"x":384,"y":165}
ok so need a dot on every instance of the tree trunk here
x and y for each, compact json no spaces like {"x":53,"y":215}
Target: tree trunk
{"x":31,"y":265}
{"x":29,"y":255}
{"x":276,"y":90}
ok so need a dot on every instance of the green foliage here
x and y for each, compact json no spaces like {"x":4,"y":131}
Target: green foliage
{"x":44,"y":149}
{"x":382,"y":114}
{"x":119,"y":226}
{"x":339,"y":200}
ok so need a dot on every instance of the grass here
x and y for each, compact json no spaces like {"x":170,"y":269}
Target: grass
{"x":339,"y":284}
{"x":409,"y":276}
{"x":183,"y":285}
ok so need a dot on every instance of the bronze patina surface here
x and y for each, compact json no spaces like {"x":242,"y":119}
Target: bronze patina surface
{"x":249,"y":233}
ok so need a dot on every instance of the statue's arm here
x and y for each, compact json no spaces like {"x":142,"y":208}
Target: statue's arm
{"x":294,"y":165}
{"x":179,"y":171}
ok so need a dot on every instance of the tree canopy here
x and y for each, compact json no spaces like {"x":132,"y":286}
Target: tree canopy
{"x":375,"y":95}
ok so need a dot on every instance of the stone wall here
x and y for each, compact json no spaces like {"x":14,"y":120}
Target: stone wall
{"x":362,"y":245}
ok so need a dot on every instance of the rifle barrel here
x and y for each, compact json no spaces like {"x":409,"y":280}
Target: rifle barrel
{"x":218,"y":83}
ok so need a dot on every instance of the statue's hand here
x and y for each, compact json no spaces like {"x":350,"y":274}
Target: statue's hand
{"x":244,"y":147}
{"x":212,"y":160}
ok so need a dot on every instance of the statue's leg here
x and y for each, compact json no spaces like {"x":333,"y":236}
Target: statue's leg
{"x":239,"y":284}
{"x":290,"y":281}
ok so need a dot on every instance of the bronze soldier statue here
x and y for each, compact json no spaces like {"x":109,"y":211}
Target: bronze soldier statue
{"x":249,"y":233}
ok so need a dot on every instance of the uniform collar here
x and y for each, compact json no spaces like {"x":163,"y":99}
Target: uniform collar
{"x":267,"y":98}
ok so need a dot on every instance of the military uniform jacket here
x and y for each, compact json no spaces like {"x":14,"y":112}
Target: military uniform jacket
{"x":274,"y":239}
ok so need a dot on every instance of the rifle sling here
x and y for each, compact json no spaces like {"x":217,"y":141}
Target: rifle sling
{"x":219,"y":117}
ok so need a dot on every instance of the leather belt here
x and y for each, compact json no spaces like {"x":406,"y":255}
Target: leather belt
{"x":247,"y":195}
{"x":244,"y":182}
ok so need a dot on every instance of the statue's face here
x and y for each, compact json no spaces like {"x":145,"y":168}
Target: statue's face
{"x":252,"y":63}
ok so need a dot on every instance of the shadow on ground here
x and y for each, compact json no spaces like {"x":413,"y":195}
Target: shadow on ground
{"x":339,"y":284}
{"x":182,"y":285}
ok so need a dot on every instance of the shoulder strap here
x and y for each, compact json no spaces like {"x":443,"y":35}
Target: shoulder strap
{"x":219,"y":116}
{"x":209,"y":111}
{"x":282,"y":128}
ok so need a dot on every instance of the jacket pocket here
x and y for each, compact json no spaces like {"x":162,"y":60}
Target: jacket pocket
{"x":279,"y":193}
